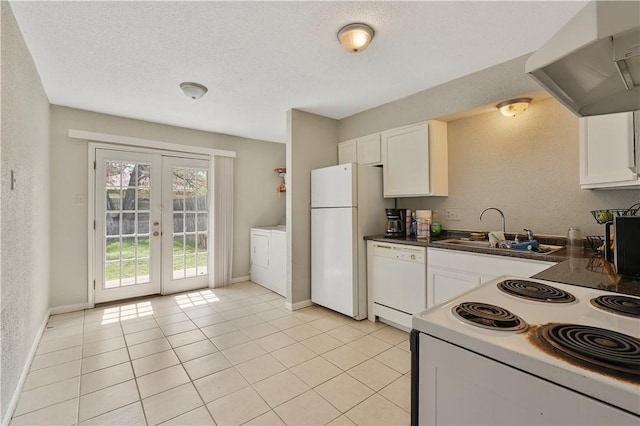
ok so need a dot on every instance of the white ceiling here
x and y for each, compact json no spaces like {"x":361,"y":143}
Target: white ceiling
{"x":260,"y":59}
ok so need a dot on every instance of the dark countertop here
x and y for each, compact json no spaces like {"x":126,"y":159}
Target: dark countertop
{"x":593,"y":272}
{"x":436,"y":242}
{"x":590,"y":271}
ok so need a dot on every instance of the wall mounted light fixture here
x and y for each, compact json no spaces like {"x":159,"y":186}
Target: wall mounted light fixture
{"x":193,"y":90}
{"x":514,"y":107}
{"x":355,"y":37}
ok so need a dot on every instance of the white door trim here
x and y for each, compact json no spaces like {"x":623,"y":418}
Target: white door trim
{"x":139,"y":142}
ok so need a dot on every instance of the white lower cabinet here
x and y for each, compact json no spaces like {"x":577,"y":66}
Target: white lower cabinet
{"x":451,"y":273}
{"x":268,"y":258}
{"x":445,"y":284}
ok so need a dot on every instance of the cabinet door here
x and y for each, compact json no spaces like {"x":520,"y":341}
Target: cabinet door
{"x":485,"y":266}
{"x":444,"y":285}
{"x":608,"y":155}
{"x":348,"y":152}
{"x":369,"y":152}
{"x":415,"y":160}
{"x":406,"y":161}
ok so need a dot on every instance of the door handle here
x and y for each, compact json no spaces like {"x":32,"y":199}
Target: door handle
{"x":156,"y":233}
{"x":156,"y":223}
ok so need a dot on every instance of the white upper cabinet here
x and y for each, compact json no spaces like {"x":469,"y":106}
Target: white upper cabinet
{"x":369,"y":150}
{"x":365,"y":150}
{"x":609,"y":151}
{"x":415,"y":160}
{"x":348,"y":152}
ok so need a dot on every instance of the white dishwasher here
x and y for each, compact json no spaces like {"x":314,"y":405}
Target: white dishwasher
{"x":398,"y":281}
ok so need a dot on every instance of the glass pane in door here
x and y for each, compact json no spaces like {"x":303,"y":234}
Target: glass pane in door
{"x":190,"y":208}
{"x":127,"y":224}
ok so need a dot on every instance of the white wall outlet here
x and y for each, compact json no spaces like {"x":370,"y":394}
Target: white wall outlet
{"x":452,"y":214}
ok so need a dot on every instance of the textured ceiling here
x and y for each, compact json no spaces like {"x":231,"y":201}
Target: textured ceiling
{"x":260,"y":59}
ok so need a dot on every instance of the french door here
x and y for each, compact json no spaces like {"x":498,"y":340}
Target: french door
{"x":151,"y":224}
{"x":185,"y":235}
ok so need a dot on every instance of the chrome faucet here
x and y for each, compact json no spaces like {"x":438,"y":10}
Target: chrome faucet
{"x":529,"y":233}
{"x":499,"y":211}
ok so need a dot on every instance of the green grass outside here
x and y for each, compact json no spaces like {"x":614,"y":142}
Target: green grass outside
{"x":128,"y":257}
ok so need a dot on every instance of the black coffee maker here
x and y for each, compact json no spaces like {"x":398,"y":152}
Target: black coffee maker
{"x":396,"y":225}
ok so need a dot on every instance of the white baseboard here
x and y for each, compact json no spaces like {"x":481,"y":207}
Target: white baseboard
{"x":240,"y":279}
{"x":25,"y":370}
{"x":298,"y":305}
{"x":63,"y":309}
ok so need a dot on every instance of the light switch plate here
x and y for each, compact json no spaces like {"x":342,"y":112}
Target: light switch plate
{"x":81,"y":199}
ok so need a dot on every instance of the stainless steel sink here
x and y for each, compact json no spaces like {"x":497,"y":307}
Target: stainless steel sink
{"x":544,"y":248}
{"x":549,"y":248}
{"x":469,"y":243}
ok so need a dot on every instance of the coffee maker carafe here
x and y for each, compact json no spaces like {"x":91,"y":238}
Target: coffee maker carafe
{"x":396,"y":225}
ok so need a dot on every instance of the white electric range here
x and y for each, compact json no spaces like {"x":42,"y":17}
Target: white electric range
{"x":536,"y":368}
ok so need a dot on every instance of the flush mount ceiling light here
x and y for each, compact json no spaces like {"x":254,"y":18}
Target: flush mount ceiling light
{"x":355,"y":37}
{"x":193,"y":90}
{"x":514,"y":107}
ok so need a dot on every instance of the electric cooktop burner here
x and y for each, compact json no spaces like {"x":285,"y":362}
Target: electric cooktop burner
{"x":535,"y":291}
{"x":617,"y":304}
{"x":605,"y":351}
{"x":489,"y":316}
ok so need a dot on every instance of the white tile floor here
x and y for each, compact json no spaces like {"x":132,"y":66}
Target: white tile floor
{"x":218,"y":356}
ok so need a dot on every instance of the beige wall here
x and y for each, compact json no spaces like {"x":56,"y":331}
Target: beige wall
{"x":527,"y":166}
{"x":24,"y":265}
{"x":256,"y":201}
{"x":503,"y":81}
{"x":311,"y":145}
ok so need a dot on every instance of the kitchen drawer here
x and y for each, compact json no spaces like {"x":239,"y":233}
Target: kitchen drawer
{"x":485,"y":264}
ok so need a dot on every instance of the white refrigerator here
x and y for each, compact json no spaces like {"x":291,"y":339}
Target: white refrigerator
{"x":346,"y":205}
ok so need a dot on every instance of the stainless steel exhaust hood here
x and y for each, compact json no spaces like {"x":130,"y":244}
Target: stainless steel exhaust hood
{"x":592,"y":65}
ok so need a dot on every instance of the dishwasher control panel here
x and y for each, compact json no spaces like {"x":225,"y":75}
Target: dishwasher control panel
{"x":400,"y":252}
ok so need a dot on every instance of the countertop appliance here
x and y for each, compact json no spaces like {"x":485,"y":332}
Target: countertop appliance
{"x":346,"y":205}
{"x":268,"y":257}
{"x":527,"y":351}
{"x":626,"y":254}
{"x":396,"y":222}
{"x":592,"y":65}
{"x":398,"y":280}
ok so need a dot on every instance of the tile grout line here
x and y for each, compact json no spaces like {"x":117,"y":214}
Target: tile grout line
{"x":231,"y":318}
{"x":126,"y":345}
{"x":81,"y":363}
